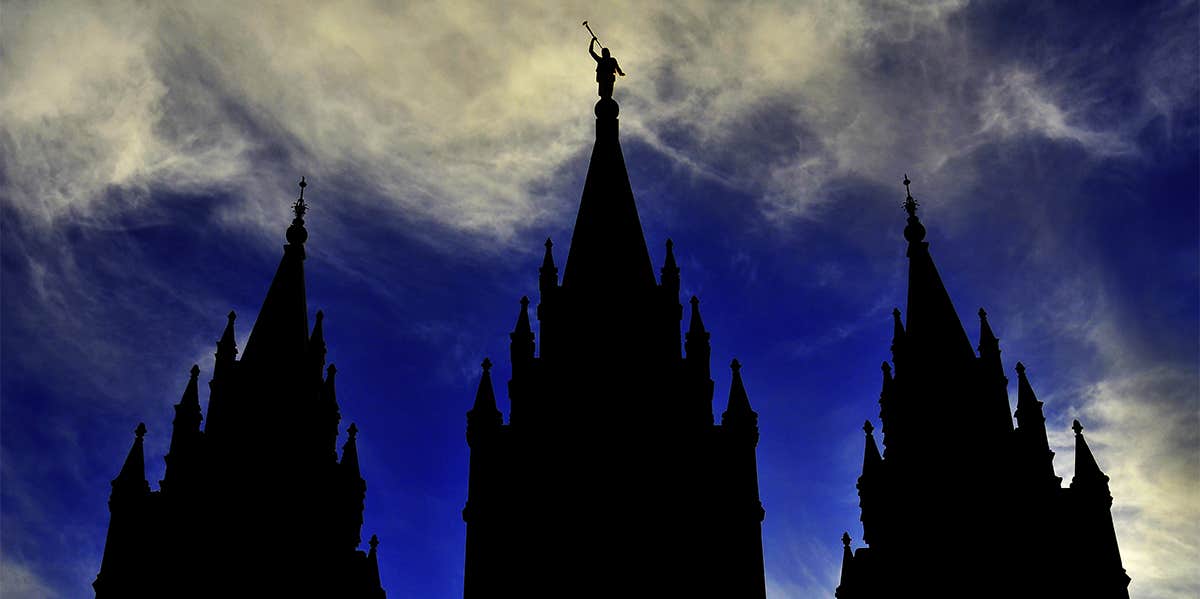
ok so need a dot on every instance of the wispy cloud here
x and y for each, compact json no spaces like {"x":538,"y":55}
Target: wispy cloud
{"x":462,"y":113}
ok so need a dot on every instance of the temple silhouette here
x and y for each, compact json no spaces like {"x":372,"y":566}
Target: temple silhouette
{"x":960,"y":503}
{"x":610,"y":477}
{"x":257,"y":502}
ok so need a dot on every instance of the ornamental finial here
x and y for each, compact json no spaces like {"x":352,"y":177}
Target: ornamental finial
{"x":915,"y":231}
{"x":296,"y":233}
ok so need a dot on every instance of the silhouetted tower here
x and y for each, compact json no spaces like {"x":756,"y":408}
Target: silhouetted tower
{"x":256,"y":503}
{"x":961,"y":503}
{"x":610,"y":477}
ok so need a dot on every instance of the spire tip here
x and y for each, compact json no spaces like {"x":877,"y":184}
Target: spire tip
{"x":1078,"y":428}
{"x":140,"y":431}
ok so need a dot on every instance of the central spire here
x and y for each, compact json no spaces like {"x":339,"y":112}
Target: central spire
{"x":932,"y":327}
{"x":608,"y":252}
{"x":280,"y":333}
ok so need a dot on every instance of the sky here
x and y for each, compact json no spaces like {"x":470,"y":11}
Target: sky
{"x":149,"y":154}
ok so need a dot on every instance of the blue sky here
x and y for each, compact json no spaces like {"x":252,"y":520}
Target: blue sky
{"x":150,"y":154}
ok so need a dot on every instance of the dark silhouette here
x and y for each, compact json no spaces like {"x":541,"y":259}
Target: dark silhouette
{"x":961,"y":503}
{"x":610,"y":478}
{"x":607,"y":68}
{"x":256,"y":504}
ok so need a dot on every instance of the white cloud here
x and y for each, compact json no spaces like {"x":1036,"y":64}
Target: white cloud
{"x":462,"y":112}
{"x":17,"y":581}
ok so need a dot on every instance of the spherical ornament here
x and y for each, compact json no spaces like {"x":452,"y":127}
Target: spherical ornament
{"x":296,"y":233}
{"x":915,"y":231}
{"x":607,"y":108}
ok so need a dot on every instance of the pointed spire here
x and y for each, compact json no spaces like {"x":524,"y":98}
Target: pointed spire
{"x":349,"y":461}
{"x":670,"y":270}
{"x":191,"y":393}
{"x":484,"y":411}
{"x":738,"y":409}
{"x":995,"y":383}
{"x":523,"y":326}
{"x":697,"y":346}
{"x":1029,"y":409}
{"x":1087,"y":471}
{"x":521,"y":346}
{"x":227,"y":345}
{"x":329,"y":389}
{"x":374,"y":585}
{"x":548,"y":273}
{"x":871,"y":457}
{"x":330,"y":373}
{"x":608,"y":255}
{"x":185,"y":432}
{"x":987,"y":339}
{"x":847,"y":562}
{"x":1031,"y":431}
{"x":280,"y":333}
{"x":933,"y":325}
{"x":219,"y":386}
{"x":132,"y":478}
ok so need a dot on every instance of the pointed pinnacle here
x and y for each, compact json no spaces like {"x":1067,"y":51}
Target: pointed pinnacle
{"x":140,"y":431}
{"x":1078,"y":428}
{"x":868,"y":427}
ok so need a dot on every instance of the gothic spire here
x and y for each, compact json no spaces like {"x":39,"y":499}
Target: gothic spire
{"x":1031,"y":423}
{"x":932,"y":324}
{"x":131,"y":481}
{"x":227,"y":345}
{"x":988,"y":343}
{"x":1029,"y":409}
{"x":374,"y":585}
{"x":484,"y":411}
{"x":185,"y":430}
{"x":738,"y":409}
{"x":219,"y":386}
{"x":847,"y":562}
{"x":1087,"y":471}
{"x":280,"y":333}
{"x":608,"y":254}
{"x":670,"y":270}
{"x":548,"y":273}
{"x":994,"y":381}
